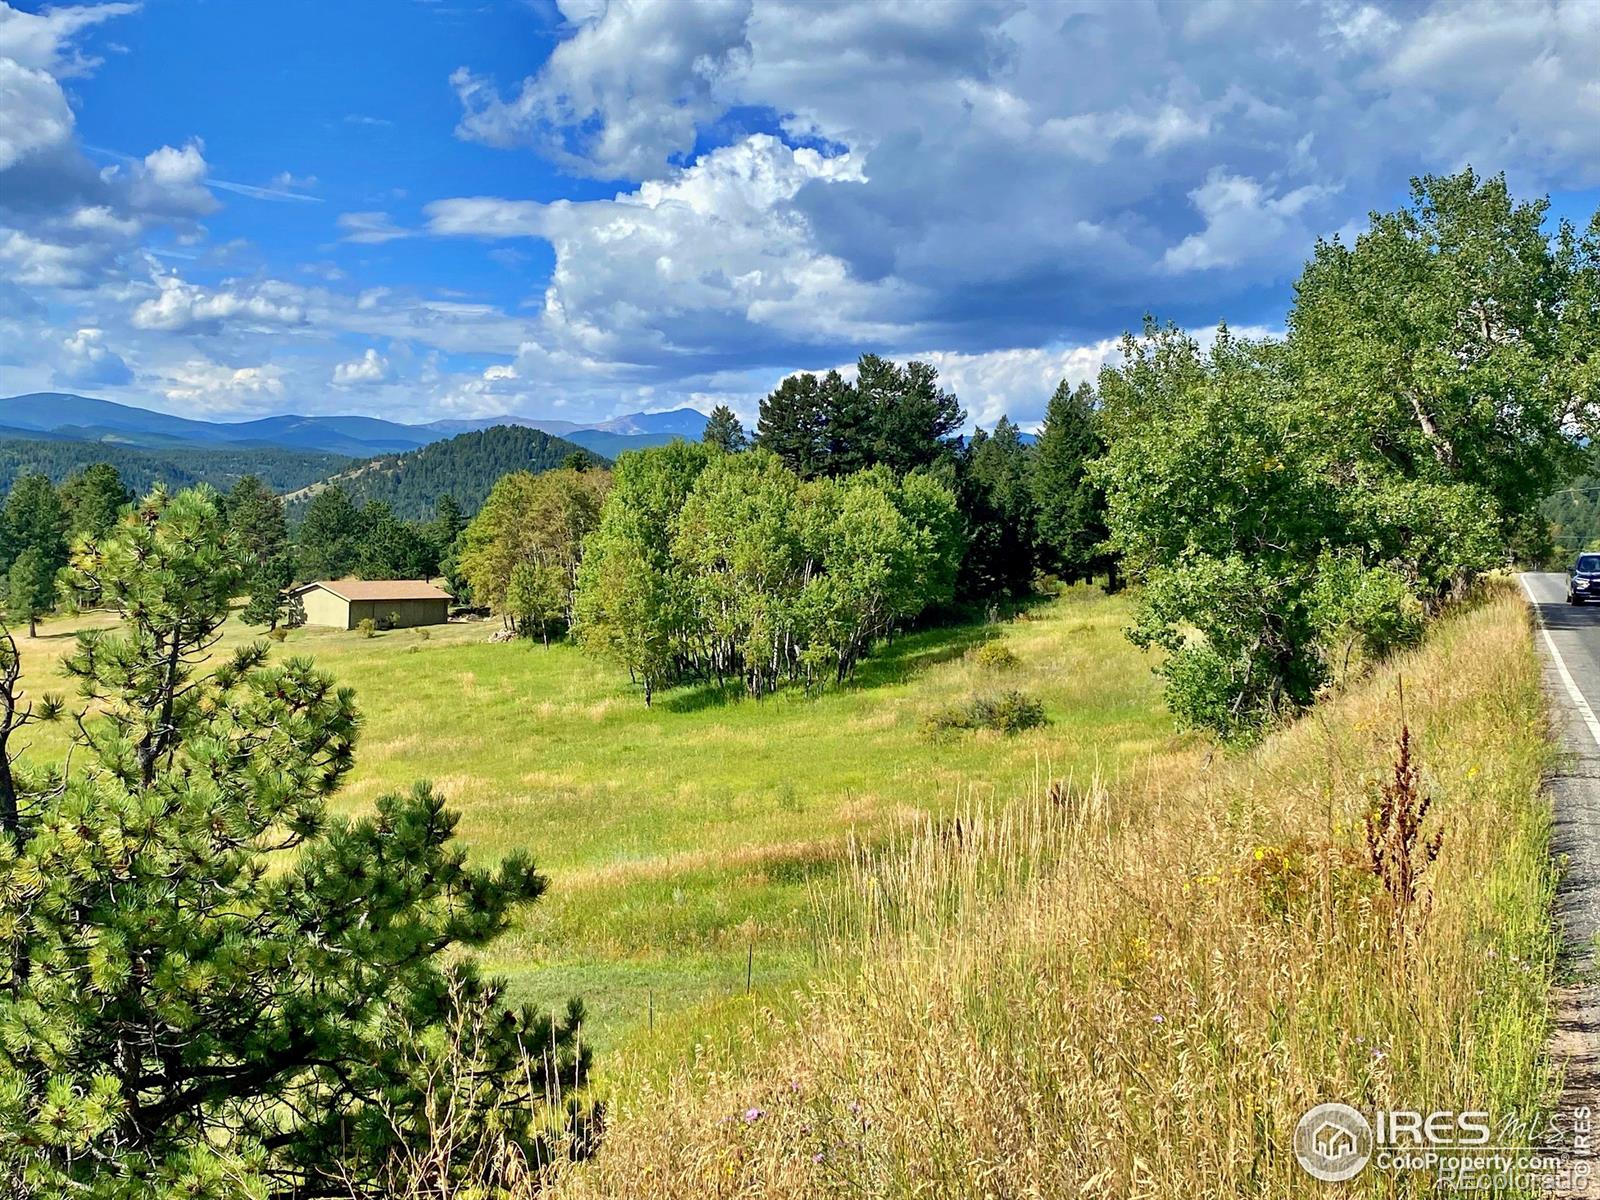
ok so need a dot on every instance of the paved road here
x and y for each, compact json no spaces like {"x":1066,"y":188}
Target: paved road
{"x":1569,"y":644}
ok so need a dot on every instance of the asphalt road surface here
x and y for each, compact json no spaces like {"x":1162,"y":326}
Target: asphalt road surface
{"x":1568,"y":639}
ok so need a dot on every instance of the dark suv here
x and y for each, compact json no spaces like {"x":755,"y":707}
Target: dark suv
{"x":1584,"y":582}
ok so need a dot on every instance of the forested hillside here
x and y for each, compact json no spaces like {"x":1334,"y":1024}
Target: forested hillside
{"x":221,"y":467}
{"x":465,"y":467}
{"x":1574,"y":515}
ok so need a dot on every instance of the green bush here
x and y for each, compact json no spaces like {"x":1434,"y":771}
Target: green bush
{"x":367,"y":627}
{"x":1008,"y":712}
{"x":995,"y":656}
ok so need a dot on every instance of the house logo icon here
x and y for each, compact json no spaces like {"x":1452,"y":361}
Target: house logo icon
{"x":1333,"y":1142}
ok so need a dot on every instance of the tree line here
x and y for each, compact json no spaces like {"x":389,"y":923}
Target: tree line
{"x":1294,"y":505}
{"x":174,"y":467}
{"x":40,"y":523}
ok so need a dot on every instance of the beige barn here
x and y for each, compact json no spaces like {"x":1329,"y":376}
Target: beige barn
{"x":397,"y":603}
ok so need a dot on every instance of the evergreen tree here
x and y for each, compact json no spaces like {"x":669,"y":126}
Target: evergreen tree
{"x":256,"y":522}
{"x":93,"y":497}
{"x":1069,"y":502}
{"x":210,"y":987}
{"x":260,"y":537}
{"x":1000,"y":514}
{"x":447,"y":524}
{"x":34,"y":519}
{"x":267,"y":601}
{"x":793,"y":424}
{"x":33,"y":532}
{"x":329,"y":536}
{"x":849,"y":414}
{"x":389,"y":548}
{"x":31,"y":589}
{"x":724,"y":431}
{"x":914,"y":421}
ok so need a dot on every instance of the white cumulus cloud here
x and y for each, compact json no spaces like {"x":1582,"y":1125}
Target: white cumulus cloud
{"x":86,"y":361}
{"x":370,"y":368}
{"x":186,"y":307}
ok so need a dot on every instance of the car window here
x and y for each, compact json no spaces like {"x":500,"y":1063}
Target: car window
{"x":1589,"y":562}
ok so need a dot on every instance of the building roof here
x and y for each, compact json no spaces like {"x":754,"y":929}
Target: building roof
{"x":380,"y":589}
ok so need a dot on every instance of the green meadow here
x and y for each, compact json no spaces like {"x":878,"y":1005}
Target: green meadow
{"x":685,"y":842}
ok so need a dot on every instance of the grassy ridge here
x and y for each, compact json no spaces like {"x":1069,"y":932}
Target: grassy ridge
{"x":683,"y":842}
{"x":1139,"y":989}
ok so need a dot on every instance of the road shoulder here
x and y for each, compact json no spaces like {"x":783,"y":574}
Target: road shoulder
{"x":1573,"y":785}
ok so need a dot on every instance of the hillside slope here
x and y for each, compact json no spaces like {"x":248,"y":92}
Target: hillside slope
{"x":465,"y":466}
{"x":1140,"y":990}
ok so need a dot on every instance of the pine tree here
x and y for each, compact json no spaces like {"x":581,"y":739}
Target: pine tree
{"x":1070,"y":504}
{"x":34,"y":518}
{"x":328,"y":538}
{"x":848,"y":413}
{"x":724,"y":431}
{"x":93,"y":497}
{"x":30,"y":589}
{"x":1000,"y":513}
{"x":792,"y":424}
{"x":389,"y":548}
{"x":255,"y":520}
{"x":914,"y":421}
{"x":210,"y":987}
{"x":33,"y":532}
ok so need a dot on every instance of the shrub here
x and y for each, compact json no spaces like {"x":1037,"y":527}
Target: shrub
{"x":995,"y":656}
{"x":1009,"y":712}
{"x":366,"y":627}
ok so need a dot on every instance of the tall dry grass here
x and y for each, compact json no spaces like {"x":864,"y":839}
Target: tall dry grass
{"x":1138,"y":992}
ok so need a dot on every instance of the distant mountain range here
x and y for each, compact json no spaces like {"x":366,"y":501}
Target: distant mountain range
{"x":62,"y":416}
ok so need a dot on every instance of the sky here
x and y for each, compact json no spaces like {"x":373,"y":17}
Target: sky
{"x":418,"y":209}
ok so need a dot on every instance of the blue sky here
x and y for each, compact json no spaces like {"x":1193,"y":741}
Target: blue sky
{"x":583,"y":208}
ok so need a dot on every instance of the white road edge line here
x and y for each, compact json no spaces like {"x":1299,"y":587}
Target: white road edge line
{"x":1576,"y":696}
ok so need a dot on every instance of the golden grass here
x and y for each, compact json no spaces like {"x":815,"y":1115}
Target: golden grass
{"x":1139,"y":991}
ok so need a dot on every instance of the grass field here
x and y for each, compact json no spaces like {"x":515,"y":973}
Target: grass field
{"x":683,"y":841}
{"x":1137,"y":990}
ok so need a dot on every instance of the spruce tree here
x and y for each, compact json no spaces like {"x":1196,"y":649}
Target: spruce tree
{"x":260,"y":538}
{"x":209,"y":986}
{"x":724,"y":431}
{"x":1069,"y":501}
{"x":914,"y":422}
